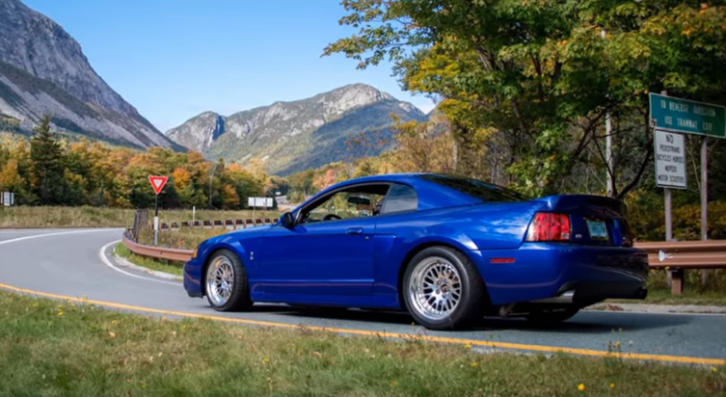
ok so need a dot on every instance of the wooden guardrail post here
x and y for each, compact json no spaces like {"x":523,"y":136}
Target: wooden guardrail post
{"x":678,"y":280}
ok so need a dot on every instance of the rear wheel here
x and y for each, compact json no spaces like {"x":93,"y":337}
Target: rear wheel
{"x":226,"y":282}
{"x":550,"y":317}
{"x":443,"y":290}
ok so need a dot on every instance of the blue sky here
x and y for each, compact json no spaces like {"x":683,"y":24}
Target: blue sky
{"x":173,"y":59}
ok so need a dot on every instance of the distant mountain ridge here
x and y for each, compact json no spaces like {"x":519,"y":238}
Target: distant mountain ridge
{"x":293,"y":136}
{"x":44,"y":71}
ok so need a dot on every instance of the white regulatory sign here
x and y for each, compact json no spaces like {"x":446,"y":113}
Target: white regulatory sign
{"x":670,"y":160}
{"x":259,"y":202}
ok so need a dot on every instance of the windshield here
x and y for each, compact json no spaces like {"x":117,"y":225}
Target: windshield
{"x":476,"y":188}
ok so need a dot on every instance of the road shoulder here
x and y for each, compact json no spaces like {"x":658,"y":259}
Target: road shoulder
{"x":656,"y":308}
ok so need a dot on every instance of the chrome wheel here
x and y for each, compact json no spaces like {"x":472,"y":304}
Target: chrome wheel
{"x":435,"y":288}
{"x":220,"y":280}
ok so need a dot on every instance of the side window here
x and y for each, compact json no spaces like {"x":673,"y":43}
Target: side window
{"x":401,"y":198}
{"x":356,"y":202}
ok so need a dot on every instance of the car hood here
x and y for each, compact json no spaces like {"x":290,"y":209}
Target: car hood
{"x":234,"y":236}
{"x":249,"y":232}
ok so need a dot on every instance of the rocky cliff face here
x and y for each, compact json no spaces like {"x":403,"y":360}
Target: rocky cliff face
{"x":200,"y":132}
{"x":291,"y":136}
{"x":44,"y":71}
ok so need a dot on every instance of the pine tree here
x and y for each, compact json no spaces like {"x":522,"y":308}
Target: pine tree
{"x":47,"y":158}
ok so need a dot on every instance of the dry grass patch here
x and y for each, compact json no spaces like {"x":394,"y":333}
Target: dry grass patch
{"x":49,"y":217}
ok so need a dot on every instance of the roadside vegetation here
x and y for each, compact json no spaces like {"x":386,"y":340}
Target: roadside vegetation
{"x":87,"y":216}
{"x":170,"y":267}
{"x":49,"y":170}
{"x":692,"y":295}
{"x":50,"y":217}
{"x":46,"y":347}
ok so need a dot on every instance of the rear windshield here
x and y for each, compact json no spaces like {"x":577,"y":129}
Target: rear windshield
{"x":476,"y":188}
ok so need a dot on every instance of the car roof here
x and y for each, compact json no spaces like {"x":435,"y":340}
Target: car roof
{"x":430,"y":195}
{"x":402,"y":177}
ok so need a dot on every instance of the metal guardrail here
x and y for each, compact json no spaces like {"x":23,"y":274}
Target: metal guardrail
{"x":675,"y":256}
{"x":169,"y":254}
{"x":685,"y":254}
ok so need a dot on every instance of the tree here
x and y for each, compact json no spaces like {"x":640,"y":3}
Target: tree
{"x":48,"y":169}
{"x":230,"y":199}
{"x":535,"y":79}
{"x":10,"y":179}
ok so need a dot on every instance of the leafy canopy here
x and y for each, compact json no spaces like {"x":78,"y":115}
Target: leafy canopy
{"x":539,"y":76}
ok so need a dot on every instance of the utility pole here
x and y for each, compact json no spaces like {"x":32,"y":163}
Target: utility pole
{"x":211,"y":178}
{"x":609,"y":145}
{"x":668,"y":220}
{"x":667,"y":193}
{"x":704,"y":199}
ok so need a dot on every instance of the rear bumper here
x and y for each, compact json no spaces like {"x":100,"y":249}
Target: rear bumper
{"x":586,"y":293}
{"x":542,"y":271}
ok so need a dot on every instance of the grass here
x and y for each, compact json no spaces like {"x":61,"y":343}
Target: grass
{"x":49,"y":217}
{"x":186,"y":238}
{"x":170,"y":267}
{"x":689,"y":297}
{"x":52,"y":348}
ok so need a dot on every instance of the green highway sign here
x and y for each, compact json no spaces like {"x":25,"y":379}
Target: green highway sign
{"x":690,"y":117}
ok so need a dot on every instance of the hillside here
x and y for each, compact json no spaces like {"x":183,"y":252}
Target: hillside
{"x":44,"y":71}
{"x":293,"y":136}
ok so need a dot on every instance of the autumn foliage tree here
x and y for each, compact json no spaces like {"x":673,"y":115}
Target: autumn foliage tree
{"x":536,"y":79}
{"x":53,"y":171}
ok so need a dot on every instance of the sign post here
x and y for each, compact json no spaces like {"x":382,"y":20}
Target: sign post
{"x":157,"y":183}
{"x":675,"y":115}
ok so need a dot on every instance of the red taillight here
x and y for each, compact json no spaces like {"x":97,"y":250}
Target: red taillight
{"x":547,"y":226}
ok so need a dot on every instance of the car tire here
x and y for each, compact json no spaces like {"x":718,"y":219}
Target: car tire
{"x":222,"y":267}
{"x":443,"y":290}
{"x":551,"y":317}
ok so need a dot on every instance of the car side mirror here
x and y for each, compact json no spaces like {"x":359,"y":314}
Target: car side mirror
{"x":286,"y":220}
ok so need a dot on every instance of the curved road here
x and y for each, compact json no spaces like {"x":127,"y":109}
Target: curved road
{"x":77,"y":264}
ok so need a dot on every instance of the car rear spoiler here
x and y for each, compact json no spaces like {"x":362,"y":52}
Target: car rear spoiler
{"x":585,"y":204}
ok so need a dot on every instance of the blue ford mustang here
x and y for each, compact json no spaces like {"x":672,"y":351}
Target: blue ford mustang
{"x":449,"y":250}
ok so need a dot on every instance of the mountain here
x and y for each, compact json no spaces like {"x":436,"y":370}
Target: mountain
{"x":44,"y":71}
{"x":294,"y":136}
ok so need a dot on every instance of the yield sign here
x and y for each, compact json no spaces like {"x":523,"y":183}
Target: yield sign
{"x":157,"y":182}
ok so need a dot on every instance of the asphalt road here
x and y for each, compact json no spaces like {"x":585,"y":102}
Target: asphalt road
{"x":70,"y":263}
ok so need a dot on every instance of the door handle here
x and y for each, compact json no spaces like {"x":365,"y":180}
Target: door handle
{"x":355,"y":230}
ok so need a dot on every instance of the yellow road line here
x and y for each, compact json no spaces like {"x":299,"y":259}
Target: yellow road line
{"x":436,"y":339}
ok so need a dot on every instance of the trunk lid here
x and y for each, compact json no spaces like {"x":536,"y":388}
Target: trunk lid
{"x":595,"y":220}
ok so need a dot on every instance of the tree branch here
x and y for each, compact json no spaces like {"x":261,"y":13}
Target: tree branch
{"x":636,"y":180}
{"x":538,"y":69}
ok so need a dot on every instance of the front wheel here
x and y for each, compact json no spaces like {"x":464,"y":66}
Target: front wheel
{"x":443,"y":290}
{"x":226,"y":282}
